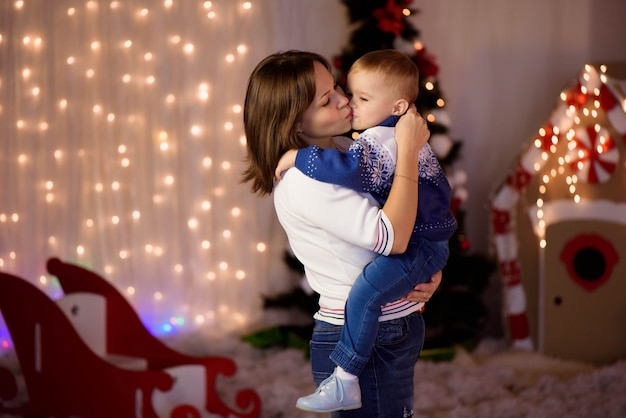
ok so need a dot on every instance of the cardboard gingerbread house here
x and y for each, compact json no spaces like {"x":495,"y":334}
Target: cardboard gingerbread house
{"x":559,"y":225}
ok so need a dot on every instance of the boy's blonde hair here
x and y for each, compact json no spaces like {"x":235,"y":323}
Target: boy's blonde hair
{"x":399,"y":71}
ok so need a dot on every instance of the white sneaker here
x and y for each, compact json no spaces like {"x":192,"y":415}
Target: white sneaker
{"x":333,"y":394}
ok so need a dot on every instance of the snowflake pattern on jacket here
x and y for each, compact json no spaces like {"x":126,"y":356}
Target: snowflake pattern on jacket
{"x":368,"y":165}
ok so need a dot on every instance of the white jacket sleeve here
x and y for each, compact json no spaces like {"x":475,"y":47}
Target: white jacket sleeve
{"x":338,"y":211}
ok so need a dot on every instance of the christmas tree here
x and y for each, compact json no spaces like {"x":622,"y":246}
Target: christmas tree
{"x":456,"y":313}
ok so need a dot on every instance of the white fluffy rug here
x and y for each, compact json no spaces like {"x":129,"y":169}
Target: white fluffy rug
{"x":491,"y":382}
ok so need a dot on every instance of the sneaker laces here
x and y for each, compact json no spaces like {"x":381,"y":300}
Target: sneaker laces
{"x":338,"y":387}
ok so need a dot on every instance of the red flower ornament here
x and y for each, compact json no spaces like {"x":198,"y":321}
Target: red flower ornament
{"x":390,"y":17}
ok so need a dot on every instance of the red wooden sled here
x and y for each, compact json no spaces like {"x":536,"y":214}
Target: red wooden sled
{"x":63,"y":377}
{"x":134,"y":340}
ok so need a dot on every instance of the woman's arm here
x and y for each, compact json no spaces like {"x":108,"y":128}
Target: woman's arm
{"x":338,"y":211}
{"x":401,"y":206}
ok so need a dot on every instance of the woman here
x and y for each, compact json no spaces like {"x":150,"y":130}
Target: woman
{"x":292,"y":102}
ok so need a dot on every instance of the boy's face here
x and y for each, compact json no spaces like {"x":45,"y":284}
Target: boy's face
{"x":372,"y":100}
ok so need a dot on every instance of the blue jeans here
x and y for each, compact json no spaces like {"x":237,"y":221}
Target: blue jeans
{"x":387,"y":379}
{"x":384,"y":280}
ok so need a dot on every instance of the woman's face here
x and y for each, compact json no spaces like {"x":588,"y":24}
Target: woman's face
{"x":328,"y":114}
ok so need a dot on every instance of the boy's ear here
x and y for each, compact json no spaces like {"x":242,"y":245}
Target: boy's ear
{"x":400,"y":107}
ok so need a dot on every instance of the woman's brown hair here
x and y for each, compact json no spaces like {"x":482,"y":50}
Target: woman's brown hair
{"x":280,"y":89}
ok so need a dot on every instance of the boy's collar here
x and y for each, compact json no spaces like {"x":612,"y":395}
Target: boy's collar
{"x":390,"y":121}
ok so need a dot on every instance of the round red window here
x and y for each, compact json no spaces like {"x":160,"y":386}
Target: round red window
{"x":589,"y":259}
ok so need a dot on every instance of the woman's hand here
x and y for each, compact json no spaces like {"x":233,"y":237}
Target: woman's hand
{"x":412,"y":130}
{"x":424,"y":291}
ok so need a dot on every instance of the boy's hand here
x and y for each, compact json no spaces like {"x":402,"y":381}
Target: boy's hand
{"x":287,"y":161}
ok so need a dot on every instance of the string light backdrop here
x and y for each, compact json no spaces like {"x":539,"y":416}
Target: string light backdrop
{"x":122,"y":150}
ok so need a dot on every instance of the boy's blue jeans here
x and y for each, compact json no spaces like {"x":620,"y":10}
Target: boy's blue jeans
{"x":387,"y":379}
{"x":384,"y":280}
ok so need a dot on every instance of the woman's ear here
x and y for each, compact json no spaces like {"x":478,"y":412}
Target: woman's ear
{"x":400,"y":107}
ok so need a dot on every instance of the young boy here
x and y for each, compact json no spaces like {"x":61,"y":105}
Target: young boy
{"x":381,"y":86}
